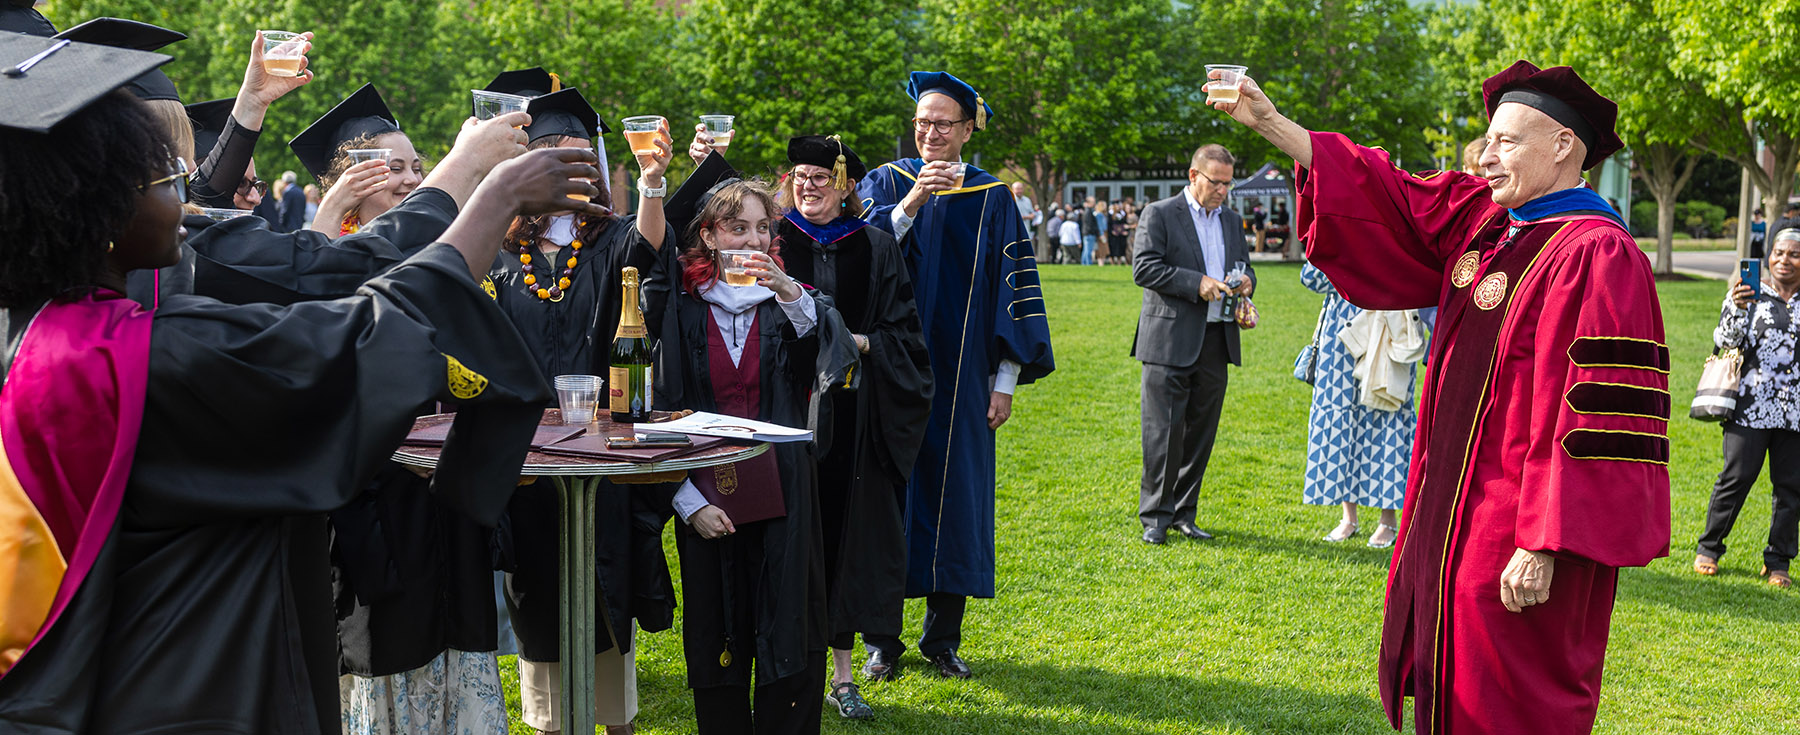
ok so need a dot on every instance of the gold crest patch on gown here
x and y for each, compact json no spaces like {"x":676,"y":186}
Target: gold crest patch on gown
{"x":1463,"y":273}
{"x":1491,"y":292}
{"x":464,"y":383}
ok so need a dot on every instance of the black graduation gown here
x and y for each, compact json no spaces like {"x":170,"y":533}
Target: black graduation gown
{"x":789,"y":620}
{"x":873,"y":434}
{"x":190,"y":620}
{"x":574,"y":337}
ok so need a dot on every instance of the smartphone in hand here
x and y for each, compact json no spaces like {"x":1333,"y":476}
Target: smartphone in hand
{"x":1750,"y":272}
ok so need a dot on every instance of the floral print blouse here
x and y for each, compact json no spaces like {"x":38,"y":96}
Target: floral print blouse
{"x":1766,"y":332}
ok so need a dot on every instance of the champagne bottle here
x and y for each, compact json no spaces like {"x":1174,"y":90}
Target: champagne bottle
{"x":629,"y":380}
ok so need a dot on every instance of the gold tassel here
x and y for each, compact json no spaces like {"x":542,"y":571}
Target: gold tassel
{"x":980,"y":113}
{"x":840,"y":178}
{"x":555,"y":82}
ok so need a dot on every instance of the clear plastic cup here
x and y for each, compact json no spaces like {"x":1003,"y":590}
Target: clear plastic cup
{"x":578,"y":196}
{"x":1226,"y":87}
{"x":579,"y":397}
{"x":358,"y":155}
{"x":220,"y":214}
{"x":641,"y":132}
{"x":719,"y":127}
{"x":960,"y":172}
{"x":489,"y":105}
{"x":283,"y":53}
{"x":734,"y":262}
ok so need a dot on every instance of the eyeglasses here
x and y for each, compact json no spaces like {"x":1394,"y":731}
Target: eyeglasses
{"x":261,"y":187}
{"x":1226,"y":184}
{"x":179,"y":178}
{"x":943,"y":127}
{"x":819,"y":180}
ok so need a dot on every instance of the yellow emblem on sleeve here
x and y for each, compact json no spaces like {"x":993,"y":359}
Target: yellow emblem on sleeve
{"x":487,"y":284}
{"x":464,"y":383}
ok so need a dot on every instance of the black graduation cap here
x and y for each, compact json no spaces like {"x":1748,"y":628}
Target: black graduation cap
{"x":533,"y":82}
{"x":687,"y":201}
{"x":827,"y":152}
{"x":63,"y":82}
{"x":209,"y":120}
{"x":362,"y":113}
{"x":131,"y":34}
{"x":563,"y":113}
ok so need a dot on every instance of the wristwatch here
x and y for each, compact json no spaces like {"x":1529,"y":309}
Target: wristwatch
{"x":649,"y":192}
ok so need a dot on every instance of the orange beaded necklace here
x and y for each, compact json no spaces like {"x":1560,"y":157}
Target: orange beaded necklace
{"x":560,"y":287}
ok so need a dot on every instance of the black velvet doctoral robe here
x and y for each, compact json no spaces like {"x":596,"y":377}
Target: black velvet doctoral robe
{"x":788,"y":624}
{"x":870,"y":437}
{"x":574,"y":337}
{"x":191,"y":619}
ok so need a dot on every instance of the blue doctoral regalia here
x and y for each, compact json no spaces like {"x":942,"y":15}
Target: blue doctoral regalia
{"x":976,"y":283}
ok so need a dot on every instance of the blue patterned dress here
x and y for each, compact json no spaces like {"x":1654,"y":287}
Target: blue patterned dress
{"x":458,"y":693}
{"x":1354,"y":454}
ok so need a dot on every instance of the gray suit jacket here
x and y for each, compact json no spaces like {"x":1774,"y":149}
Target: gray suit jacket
{"x":1166,"y":261}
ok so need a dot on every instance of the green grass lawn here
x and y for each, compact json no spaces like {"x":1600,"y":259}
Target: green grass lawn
{"x":1266,"y":629}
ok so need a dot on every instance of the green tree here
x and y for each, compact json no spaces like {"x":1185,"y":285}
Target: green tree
{"x":1349,"y":67}
{"x":787,"y":69}
{"x":1745,"y":53}
{"x":1059,"y":106}
{"x":1464,"y":47}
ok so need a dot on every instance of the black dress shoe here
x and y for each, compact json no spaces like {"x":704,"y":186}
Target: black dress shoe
{"x":880,"y":668}
{"x":1191,"y":531}
{"x":950,"y":666}
{"x":1155,"y":536}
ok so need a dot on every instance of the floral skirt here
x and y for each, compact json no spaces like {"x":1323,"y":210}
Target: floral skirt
{"x":458,"y":693}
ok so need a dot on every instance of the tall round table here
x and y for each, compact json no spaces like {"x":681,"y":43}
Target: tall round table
{"x":577,"y":480}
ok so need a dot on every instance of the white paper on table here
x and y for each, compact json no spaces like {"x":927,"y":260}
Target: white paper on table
{"x":701,"y":423}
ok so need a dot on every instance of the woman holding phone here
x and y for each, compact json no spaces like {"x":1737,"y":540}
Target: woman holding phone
{"x":1761,"y":319}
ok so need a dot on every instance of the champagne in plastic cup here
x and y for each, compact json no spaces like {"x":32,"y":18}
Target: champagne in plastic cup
{"x":961,"y":171}
{"x":282,"y":53}
{"x":719,"y":127}
{"x":489,"y":105}
{"x":578,"y":196}
{"x":1227,"y":86}
{"x":641,"y":133}
{"x":578,"y":396}
{"x":735,"y":273}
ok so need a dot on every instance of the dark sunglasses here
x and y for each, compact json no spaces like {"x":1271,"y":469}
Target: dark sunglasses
{"x":261,"y":187}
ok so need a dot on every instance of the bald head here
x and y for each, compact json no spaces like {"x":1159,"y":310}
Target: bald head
{"x":1529,"y":155}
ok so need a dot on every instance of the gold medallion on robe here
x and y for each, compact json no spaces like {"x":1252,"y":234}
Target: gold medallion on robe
{"x":725,"y":659}
{"x":464,"y":383}
{"x":1463,"y":273}
{"x":1491,"y":292}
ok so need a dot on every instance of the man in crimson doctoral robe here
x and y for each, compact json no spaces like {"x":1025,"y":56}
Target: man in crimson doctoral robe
{"x":1541,"y":463}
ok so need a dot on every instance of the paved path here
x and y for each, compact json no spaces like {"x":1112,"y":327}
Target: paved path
{"x":1718,"y":264}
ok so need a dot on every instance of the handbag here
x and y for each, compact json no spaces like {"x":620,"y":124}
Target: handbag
{"x":1306,"y":364}
{"x":1715,"y":399}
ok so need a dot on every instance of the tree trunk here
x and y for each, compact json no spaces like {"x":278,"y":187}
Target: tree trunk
{"x":1665,"y":168}
{"x":1784,"y":148}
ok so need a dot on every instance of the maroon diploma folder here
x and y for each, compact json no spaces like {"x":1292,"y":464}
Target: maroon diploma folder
{"x":748,"y":491}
